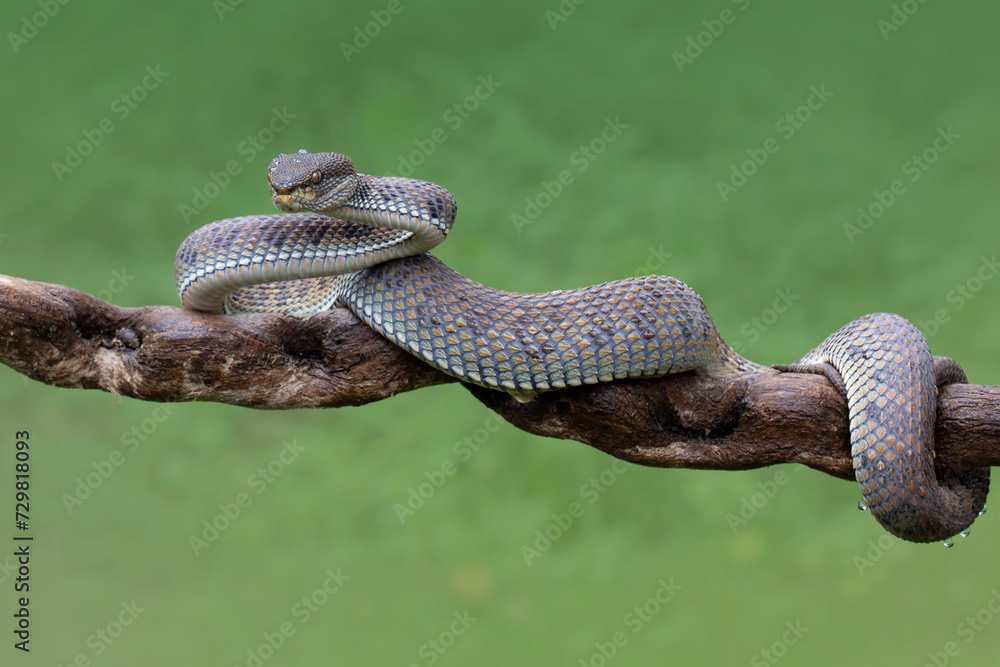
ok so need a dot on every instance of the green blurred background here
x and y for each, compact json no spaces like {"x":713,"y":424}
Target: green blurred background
{"x":804,"y":558}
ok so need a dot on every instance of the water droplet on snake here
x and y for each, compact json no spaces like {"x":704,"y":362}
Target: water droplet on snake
{"x":949,"y":543}
{"x":982,"y":511}
{"x":965,"y":533}
{"x":862,"y":506}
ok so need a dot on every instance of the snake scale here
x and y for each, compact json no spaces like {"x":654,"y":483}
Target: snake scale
{"x":360,"y":241}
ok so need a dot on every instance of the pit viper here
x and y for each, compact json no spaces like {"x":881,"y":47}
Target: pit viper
{"x":361,"y":241}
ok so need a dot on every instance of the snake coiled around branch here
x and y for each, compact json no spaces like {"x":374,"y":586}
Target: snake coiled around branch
{"x":360,"y":241}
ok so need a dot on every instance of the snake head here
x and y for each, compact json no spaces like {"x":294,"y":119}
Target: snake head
{"x":314,"y":182}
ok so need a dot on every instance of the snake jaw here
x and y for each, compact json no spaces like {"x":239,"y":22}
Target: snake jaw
{"x":294,"y":200}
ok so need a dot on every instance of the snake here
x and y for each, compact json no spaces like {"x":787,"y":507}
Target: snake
{"x":346,"y":239}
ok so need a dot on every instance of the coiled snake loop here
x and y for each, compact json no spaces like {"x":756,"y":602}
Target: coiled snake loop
{"x":361,"y":241}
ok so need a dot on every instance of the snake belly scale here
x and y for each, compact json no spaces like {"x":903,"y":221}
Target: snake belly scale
{"x":360,"y":241}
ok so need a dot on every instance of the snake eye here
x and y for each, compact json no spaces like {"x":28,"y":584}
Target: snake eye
{"x":316,"y":177}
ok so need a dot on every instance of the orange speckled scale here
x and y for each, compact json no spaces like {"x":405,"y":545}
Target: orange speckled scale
{"x":529,"y":343}
{"x":359,"y":241}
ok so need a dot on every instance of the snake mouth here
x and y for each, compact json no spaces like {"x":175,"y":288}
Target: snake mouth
{"x":284,"y":202}
{"x":292,"y":200}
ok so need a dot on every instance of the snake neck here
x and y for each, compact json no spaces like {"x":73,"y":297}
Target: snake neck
{"x":422,"y":212}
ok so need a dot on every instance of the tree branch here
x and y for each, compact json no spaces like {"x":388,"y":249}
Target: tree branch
{"x":63,"y":337}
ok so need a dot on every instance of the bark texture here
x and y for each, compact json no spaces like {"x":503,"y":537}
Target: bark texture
{"x":65,"y":338}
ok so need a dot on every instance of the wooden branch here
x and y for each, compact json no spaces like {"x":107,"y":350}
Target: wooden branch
{"x":66,"y":338}
{"x":63,"y":337}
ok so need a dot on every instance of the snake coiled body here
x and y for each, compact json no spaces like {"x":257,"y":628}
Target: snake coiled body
{"x":361,"y":241}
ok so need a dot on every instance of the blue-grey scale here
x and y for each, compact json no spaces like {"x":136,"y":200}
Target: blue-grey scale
{"x":361,"y":241}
